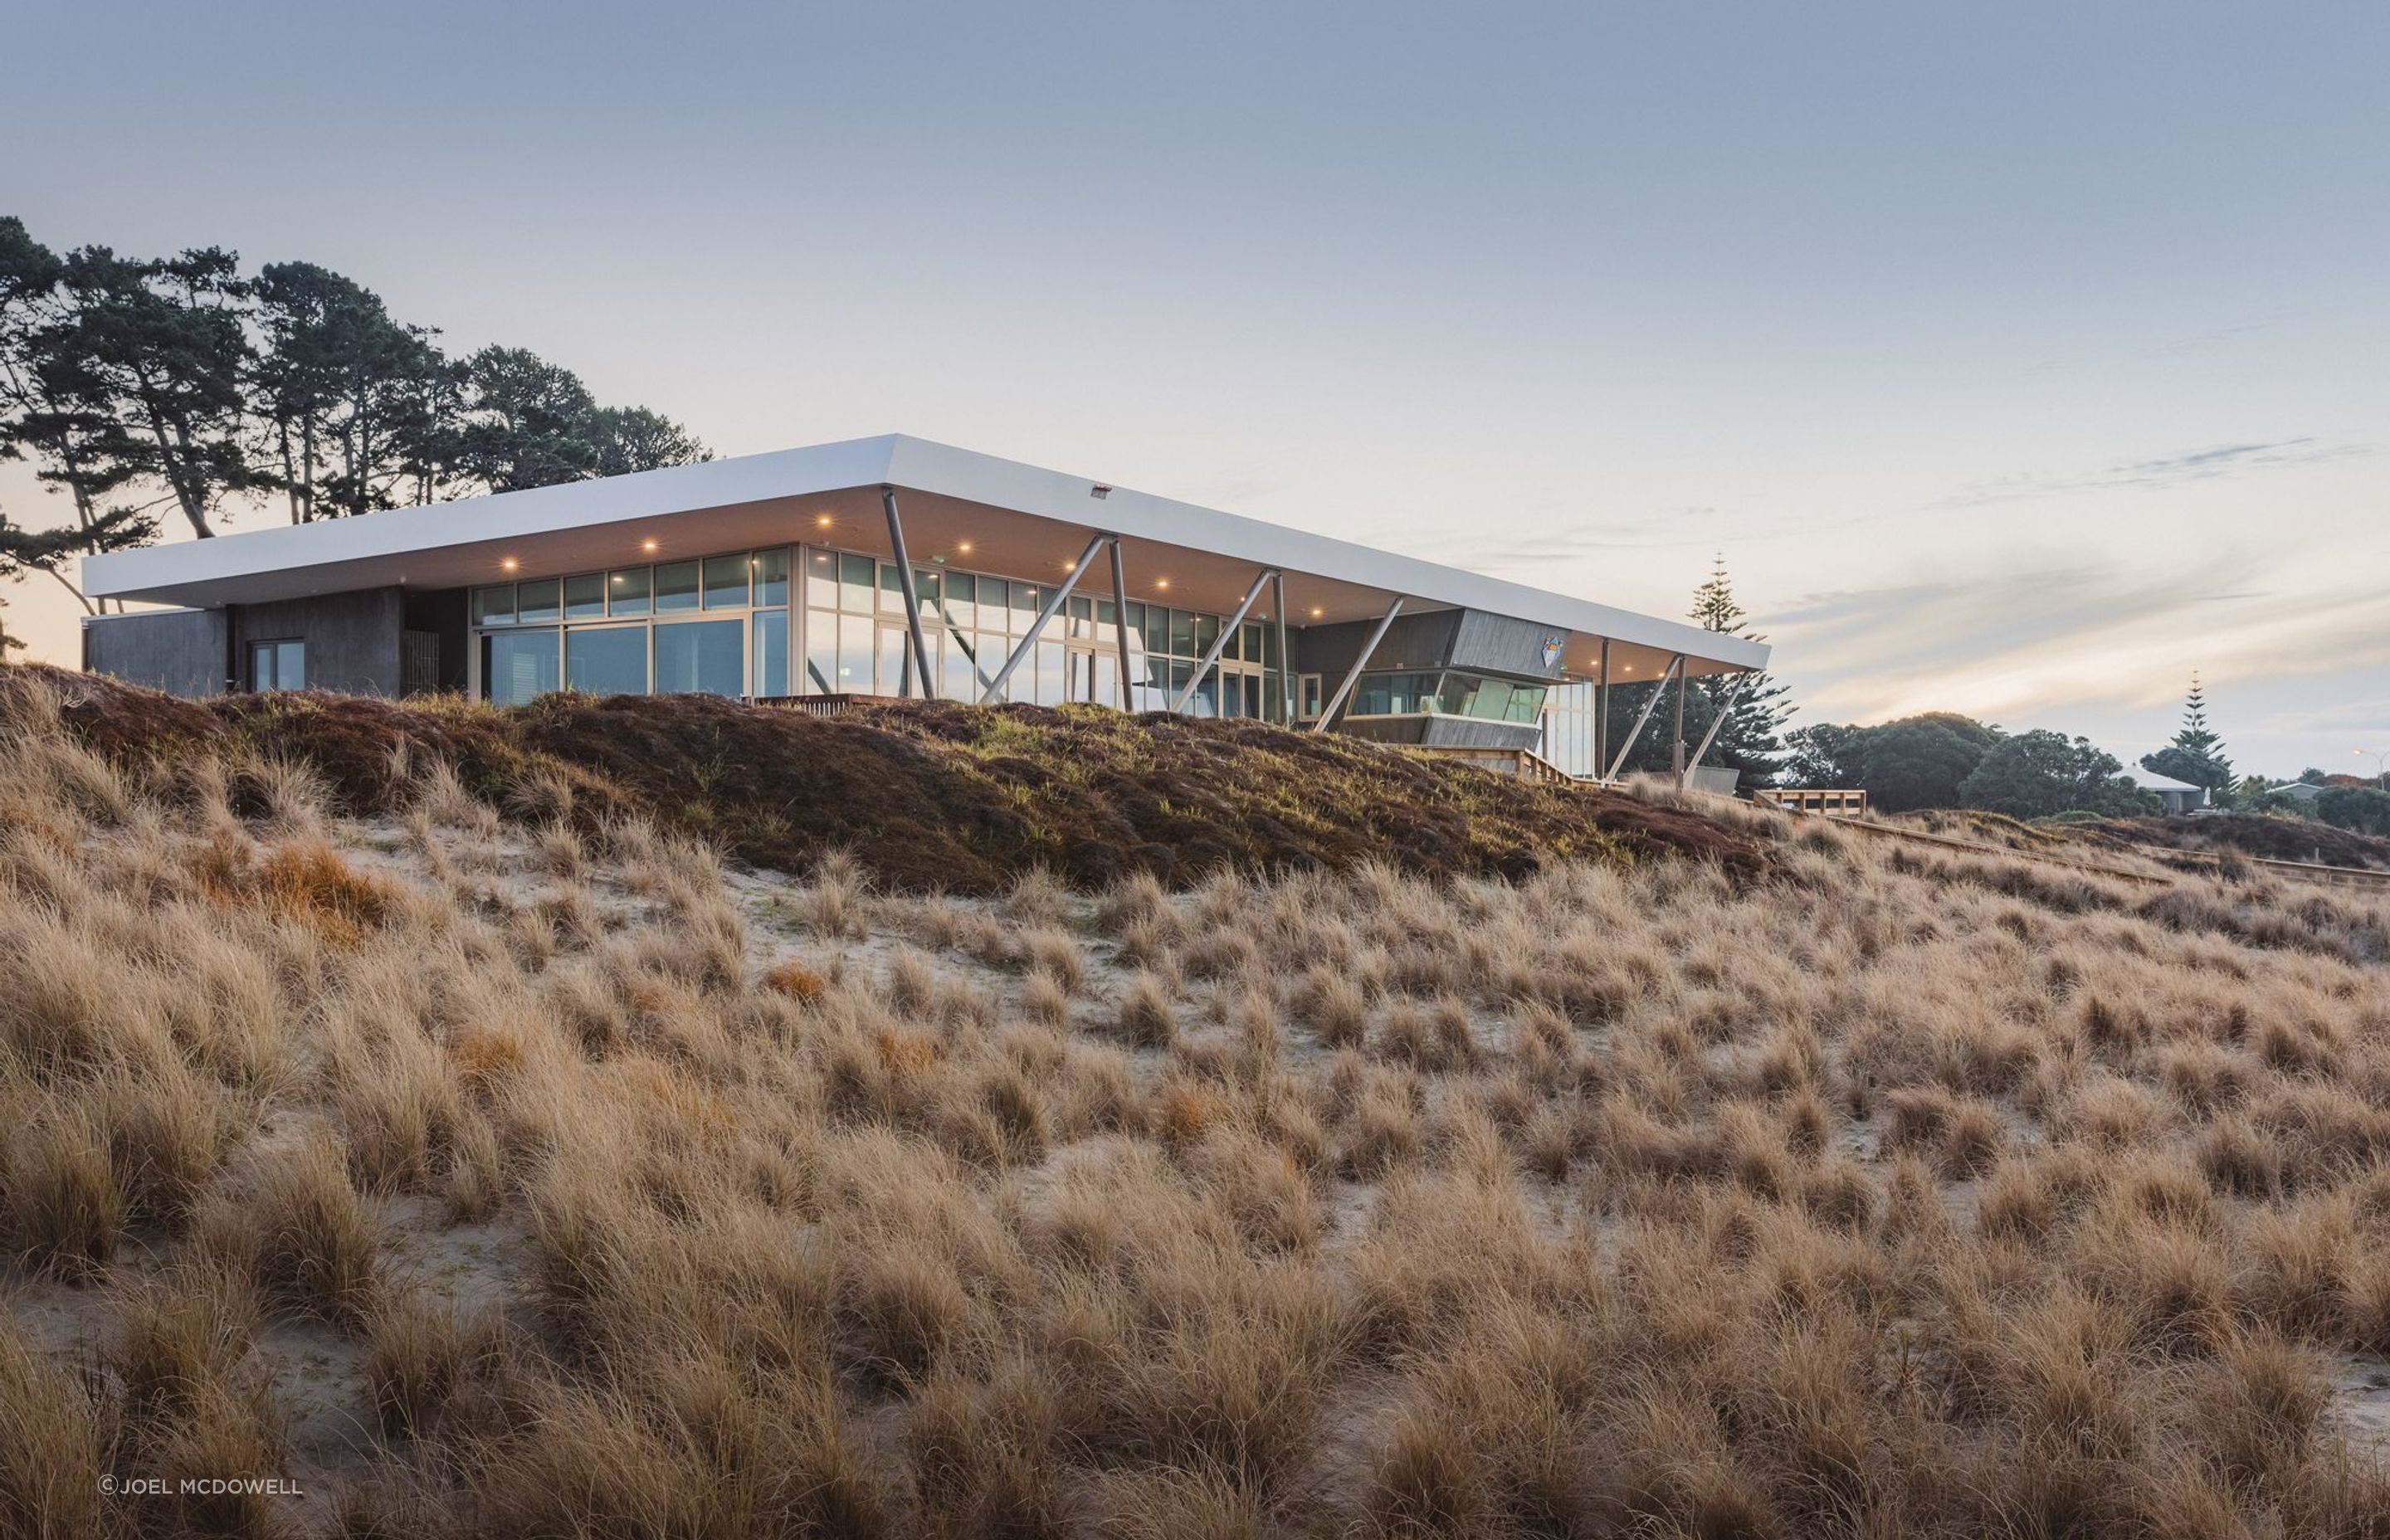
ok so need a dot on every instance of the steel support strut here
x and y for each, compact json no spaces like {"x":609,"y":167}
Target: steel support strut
{"x":1037,"y":626}
{"x":1674,"y":665}
{"x":1353,"y":674}
{"x":1285,"y":663}
{"x":1120,"y":621}
{"x":1602,"y":713}
{"x":1677,"y":740}
{"x":1726,"y":708}
{"x":1220,"y":643}
{"x":912,"y":599}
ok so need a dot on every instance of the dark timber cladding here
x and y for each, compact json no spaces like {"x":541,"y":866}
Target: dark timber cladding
{"x":885,"y":566}
{"x":185,"y":652}
{"x":353,"y":640}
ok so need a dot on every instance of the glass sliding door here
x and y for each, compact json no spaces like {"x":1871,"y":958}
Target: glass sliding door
{"x":518,"y":666}
{"x":769,"y":674}
{"x":955,"y":680}
{"x":607,"y":660}
{"x":897,"y":676}
{"x":702,"y":658}
{"x":854,"y":653}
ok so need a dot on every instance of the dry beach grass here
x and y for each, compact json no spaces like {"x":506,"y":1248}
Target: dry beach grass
{"x":508,"y":1173}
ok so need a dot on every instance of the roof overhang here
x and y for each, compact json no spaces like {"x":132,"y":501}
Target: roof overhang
{"x":974,"y":511}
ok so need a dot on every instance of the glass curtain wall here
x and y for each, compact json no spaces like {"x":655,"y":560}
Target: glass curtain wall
{"x":1569,"y":728}
{"x":1447,"y":694}
{"x":809,"y":620}
{"x":856,"y":642}
{"x":716,"y":623}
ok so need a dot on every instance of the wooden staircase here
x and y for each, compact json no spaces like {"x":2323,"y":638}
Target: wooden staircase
{"x":1518,"y":764}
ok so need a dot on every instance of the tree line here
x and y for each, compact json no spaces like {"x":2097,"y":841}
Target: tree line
{"x":1944,"y":760}
{"x":145,"y":389}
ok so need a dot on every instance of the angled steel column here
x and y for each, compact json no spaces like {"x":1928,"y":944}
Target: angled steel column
{"x":1227,"y":631}
{"x":1353,"y":674}
{"x":1725,"y":709}
{"x":1285,"y":663}
{"x":1650,"y":706}
{"x":1602,"y":714}
{"x":1120,"y":621}
{"x":912,"y":599}
{"x":1677,"y":747}
{"x":1038,"y":625}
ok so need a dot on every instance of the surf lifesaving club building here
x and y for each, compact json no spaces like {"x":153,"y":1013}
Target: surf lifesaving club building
{"x":894,"y":566}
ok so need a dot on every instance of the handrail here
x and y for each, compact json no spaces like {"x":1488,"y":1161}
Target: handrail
{"x":1520,"y":763}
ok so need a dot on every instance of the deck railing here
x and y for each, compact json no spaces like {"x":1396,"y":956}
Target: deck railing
{"x":1848,"y":802}
{"x":1522,"y":764}
{"x":821,"y":705}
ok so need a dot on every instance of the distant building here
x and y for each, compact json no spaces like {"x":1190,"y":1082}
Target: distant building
{"x":2305,"y":792}
{"x":2179,"y":796}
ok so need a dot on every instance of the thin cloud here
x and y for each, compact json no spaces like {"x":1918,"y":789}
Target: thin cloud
{"x":1676,"y":529}
{"x":2166,"y":471}
{"x":2016,"y":643}
{"x":2350,"y":716}
{"x":2197,"y":341}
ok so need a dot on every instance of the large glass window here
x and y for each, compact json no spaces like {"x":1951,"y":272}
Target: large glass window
{"x":607,"y":660}
{"x":676,"y":585}
{"x":518,"y":666}
{"x":770,"y":673}
{"x":821,"y":651}
{"x":1051,"y":687}
{"x":537,"y":601}
{"x":821,"y":579}
{"x":771,"y":570}
{"x":854,"y":584}
{"x":955,"y":680}
{"x":495,"y":606}
{"x":628,"y":591}
{"x":725,"y":581}
{"x":855,"y":648}
{"x":1394,"y":694}
{"x":1448,"y":694}
{"x":584,"y":597}
{"x":1569,"y":740}
{"x":897,"y":675}
{"x":701,"y":658}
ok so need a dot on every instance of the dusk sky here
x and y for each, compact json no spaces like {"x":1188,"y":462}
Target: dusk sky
{"x":2020,"y":359}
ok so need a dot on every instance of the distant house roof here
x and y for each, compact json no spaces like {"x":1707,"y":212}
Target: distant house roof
{"x":2150,"y":781}
{"x":2305,"y":791}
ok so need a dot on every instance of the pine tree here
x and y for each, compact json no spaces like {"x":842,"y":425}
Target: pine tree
{"x":2196,"y":738}
{"x":1751,"y":740}
{"x":2196,"y":755}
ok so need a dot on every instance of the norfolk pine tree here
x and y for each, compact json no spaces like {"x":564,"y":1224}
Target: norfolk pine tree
{"x":2196,"y":755}
{"x":1749,"y":741}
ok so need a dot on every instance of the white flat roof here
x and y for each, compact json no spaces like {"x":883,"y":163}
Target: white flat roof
{"x":978,"y":511}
